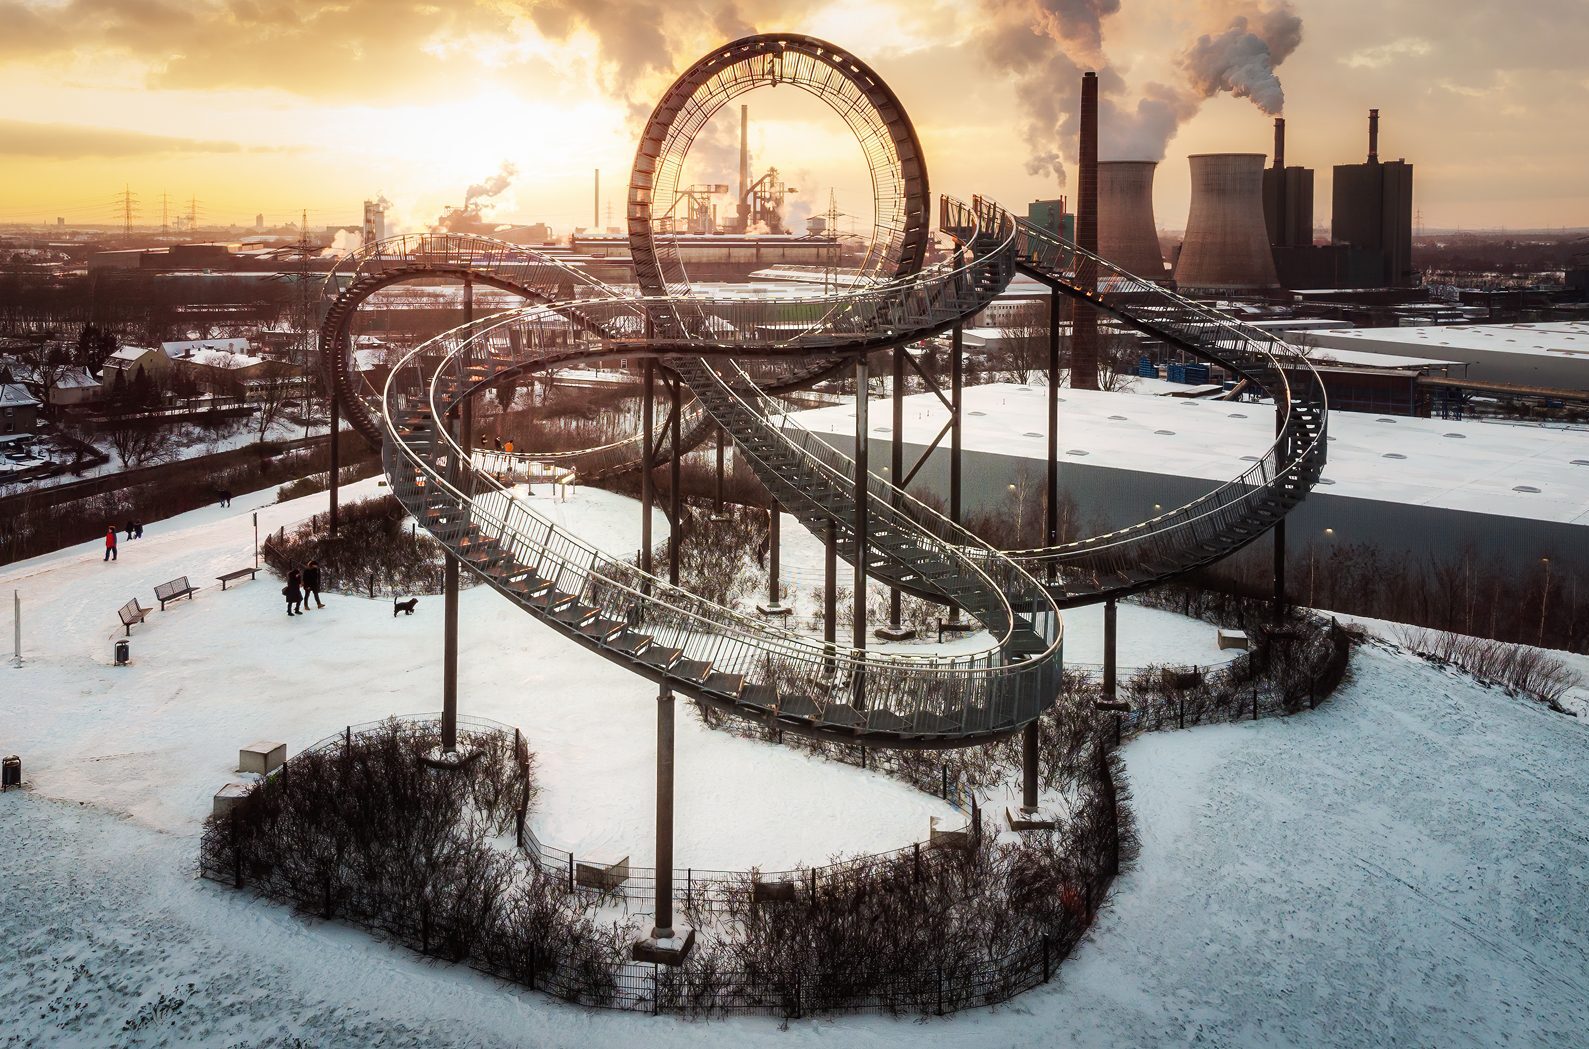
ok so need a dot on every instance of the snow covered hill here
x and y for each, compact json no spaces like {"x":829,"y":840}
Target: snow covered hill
{"x":1404,"y":866}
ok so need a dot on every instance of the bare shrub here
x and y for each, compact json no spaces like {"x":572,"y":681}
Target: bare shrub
{"x":372,"y":554}
{"x":1518,"y":667}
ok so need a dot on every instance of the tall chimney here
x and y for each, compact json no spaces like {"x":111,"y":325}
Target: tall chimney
{"x":1373,"y":136}
{"x":1084,"y":319}
{"x":595,"y":222}
{"x":1227,"y":241}
{"x":1127,"y":233}
{"x":1280,"y":143}
{"x":744,"y":168}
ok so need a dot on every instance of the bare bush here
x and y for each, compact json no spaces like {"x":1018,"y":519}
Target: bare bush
{"x":1518,"y":667}
{"x":372,"y":554}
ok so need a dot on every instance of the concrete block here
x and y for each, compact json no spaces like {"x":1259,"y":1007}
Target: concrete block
{"x":263,"y":757}
{"x":1233,"y":639}
{"x":228,"y":798}
{"x":671,"y":951}
{"x":605,"y":877}
{"x":945,"y":837}
{"x":773,"y":890}
{"x":1020,"y":819}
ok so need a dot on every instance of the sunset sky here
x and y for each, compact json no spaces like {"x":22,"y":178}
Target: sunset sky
{"x":279,"y":105}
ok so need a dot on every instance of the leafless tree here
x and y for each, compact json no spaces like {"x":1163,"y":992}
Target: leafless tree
{"x":140,"y":441}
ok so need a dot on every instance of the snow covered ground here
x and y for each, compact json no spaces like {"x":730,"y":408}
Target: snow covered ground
{"x":1403,"y":866}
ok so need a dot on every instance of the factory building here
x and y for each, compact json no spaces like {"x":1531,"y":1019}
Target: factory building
{"x":1052,"y":216}
{"x":1373,"y":210}
{"x":1287,"y":198}
{"x":1418,"y":492}
{"x":1552,"y":355}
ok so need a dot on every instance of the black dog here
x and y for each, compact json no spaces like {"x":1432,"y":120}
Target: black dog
{"x":406,"y":607}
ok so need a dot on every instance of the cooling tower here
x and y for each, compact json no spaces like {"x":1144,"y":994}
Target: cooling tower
{"x":1127,"y":234}
{"x":1227,"y":243}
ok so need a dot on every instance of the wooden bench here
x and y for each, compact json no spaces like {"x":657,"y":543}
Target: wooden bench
{"x":227,"y":577}
{"x":178,"y":587}
{"x":131,"y":613}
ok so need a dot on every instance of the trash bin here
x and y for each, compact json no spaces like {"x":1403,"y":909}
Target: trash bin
{"x":10,"y":772}
{"x":123,"y":650}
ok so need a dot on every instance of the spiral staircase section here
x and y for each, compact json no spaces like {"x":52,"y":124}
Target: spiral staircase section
{"x":741,"y":664}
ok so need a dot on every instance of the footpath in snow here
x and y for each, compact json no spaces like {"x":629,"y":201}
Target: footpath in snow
{"x":1403,"y":866}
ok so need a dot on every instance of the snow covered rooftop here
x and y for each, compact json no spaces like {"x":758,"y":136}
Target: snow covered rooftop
{"x":1516,"y":471}
{"x":15,"y":395}
{"x":1557,"y":339}
{"x":220,"y":358}
{"x":189,"y":347}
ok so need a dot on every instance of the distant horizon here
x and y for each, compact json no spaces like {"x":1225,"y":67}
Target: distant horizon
{"x":317,"y":106}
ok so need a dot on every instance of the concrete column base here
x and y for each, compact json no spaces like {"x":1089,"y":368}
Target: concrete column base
{"x":1030,"y":819}
{"x":671,"y":950}
{"x":778,"y":609}
{"x":448,"y":760}
{"x":893,"y":632}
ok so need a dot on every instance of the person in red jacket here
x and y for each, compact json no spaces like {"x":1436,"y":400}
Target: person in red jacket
{"x":110,"y":543}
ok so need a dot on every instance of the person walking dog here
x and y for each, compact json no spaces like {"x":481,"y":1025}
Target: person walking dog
{"x":293,"y":593}
{"x":110,"y":543}
{"x":311,"y":584}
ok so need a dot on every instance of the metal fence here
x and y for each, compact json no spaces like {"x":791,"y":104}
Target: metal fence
{"x":605,"y":980}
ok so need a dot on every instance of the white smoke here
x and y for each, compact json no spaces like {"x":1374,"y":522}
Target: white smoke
{"x":491,"y":186}
{"x":1242,"y":58}
{"x":1045,"y":45}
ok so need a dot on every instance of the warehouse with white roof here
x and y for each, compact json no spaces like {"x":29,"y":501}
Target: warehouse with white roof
{"x":1411,"y":488}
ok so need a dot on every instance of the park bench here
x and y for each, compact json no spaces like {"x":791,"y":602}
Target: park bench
{"x":227,"y":577}
{"x":178,"y":587}
{"x":131,"y":613}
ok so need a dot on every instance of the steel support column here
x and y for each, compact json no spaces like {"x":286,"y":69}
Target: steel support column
{"x":648,"y":449}
{"x":336,"y":460}
{"x":1280,"y":530}
{"x":774,"y":534}
{"x":956,"y":414}
{"x":463,"y":424}
{"x":896,"y":469}
{"x":1109,"y":670}
{"x":675,"y":516}
{"x":1051,"y":510}
{"x":722,"y":441}
{"x":1029,"y":769}
{"x":862,"y":448}
{"x":663,"y":928}
{"x":830,"y":587}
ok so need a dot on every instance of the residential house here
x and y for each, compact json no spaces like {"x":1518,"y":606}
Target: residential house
{"x":19,"y":409}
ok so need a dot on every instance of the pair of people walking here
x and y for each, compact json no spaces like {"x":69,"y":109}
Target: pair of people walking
{"x":134,"y":530}
{"x":301,"y":588}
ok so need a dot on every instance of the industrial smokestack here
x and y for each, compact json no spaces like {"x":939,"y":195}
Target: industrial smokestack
{"x":1127,"y":233}
{"x":595,"y":221}
{"x":1227,"y":243}
{"x":744,"y":168}
{"x":1373,"y":136}
{"x":1280,"y":143}
{"x":1084,"y":319}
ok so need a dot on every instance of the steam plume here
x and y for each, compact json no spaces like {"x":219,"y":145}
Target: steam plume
{"x":1242,"y":59}
{"x":491,"y":186}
